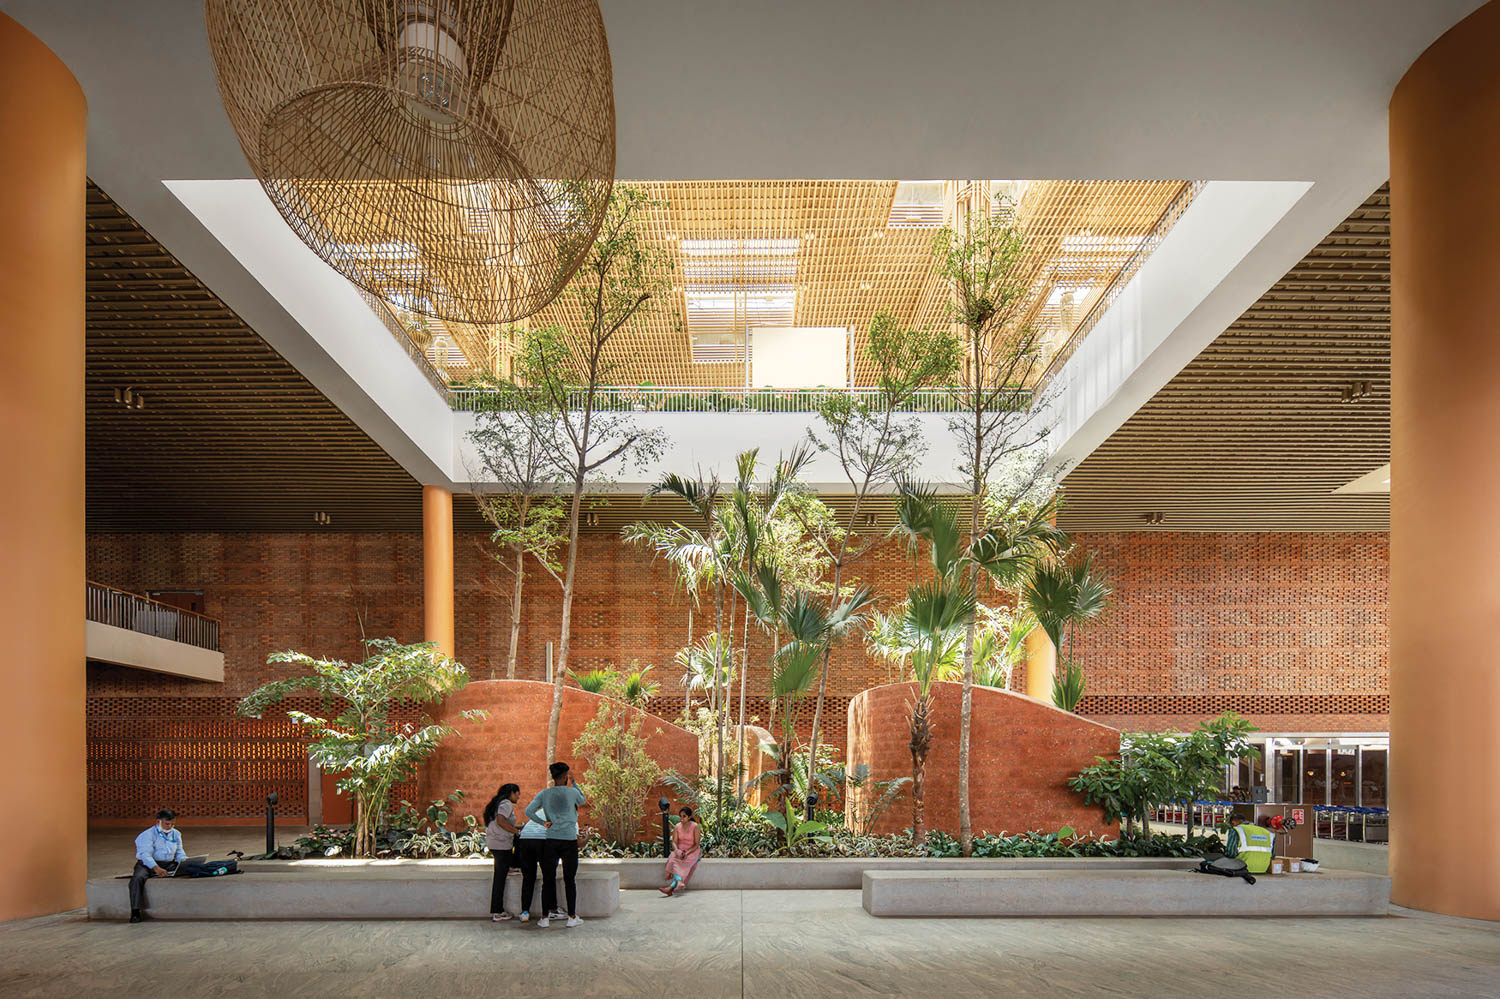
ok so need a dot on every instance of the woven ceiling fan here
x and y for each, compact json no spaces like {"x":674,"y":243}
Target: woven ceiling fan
{"x":453,"y":157}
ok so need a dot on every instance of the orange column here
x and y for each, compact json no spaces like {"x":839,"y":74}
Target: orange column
{"x":1041,"y":665}
{"x":437,"y":566}
{"x":1445,"y":484}
{"x":41,"y":510}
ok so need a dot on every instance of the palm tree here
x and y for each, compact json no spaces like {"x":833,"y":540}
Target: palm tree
{"x":811,"y":626}
{"x":705,"y":666}
{"x":938,"y":623}
{"x":752,"y":515}
{"x":1065,"y":595}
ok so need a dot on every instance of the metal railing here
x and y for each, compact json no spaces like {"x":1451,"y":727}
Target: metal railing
{"x":1164,"y":224}
{"x":697,"y":399}
{"x":133,"y":612}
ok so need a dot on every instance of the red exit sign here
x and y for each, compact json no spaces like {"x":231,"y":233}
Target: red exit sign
{"x":1299,"y":816}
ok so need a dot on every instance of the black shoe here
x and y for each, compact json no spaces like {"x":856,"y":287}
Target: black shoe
{"x":135,"y":915}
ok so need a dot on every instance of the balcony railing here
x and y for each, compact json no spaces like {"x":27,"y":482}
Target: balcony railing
{"x":133,"y":612}
{"x":696,"y":399}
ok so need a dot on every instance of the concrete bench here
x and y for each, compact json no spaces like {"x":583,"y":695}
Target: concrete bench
{"x":1120,"y":893}
{"x":352,"y":892}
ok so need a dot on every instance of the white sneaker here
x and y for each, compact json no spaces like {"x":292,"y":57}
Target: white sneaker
{"x":557,"y":914}
{"x":500,"y":917}
{"x":543,"y":922}
{"x":525,"y":917}
{"x":574,"y":921}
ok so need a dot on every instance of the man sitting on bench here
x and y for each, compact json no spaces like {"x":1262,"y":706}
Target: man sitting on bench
{"x":158,"y":851}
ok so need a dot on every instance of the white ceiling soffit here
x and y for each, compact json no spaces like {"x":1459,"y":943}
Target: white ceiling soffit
{"x":1378,"y":481}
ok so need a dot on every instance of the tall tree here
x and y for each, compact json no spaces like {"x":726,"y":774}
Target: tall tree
{"x":623,"y":279}
{"x":704,"y":544}
{"x":513,"y":441}
{"x":983,"y":259}
{"x":930,"y":629}
{"x":874,"y":445}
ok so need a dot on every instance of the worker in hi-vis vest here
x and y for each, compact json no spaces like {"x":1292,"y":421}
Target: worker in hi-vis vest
{"x":1250,"y":843}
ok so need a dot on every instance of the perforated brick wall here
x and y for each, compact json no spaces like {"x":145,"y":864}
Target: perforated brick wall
{"x":1289,"y":629}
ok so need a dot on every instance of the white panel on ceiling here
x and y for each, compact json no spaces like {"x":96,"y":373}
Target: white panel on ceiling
{"x":799,"y":356}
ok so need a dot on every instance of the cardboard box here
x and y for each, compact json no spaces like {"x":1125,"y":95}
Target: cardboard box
{"x":1289,"y":865}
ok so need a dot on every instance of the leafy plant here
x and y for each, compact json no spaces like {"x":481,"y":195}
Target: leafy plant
{"x":797,"y":832}
{"x":1154,"y":767}
{"x":1064,"y":595}
{"x":370,"y":752}
{"x":869,"y":799}
{"x":594,"y":681}
{"x":620,"y":772}
{"x":1067,"y":686}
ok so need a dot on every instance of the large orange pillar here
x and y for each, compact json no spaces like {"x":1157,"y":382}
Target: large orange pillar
{"x":1041,"y":664}
{"x":41,"y":509}
{"x":1445,"y":483}
{"x":437,"y":566}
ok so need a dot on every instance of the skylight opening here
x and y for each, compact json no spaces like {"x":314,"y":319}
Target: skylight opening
{"x":917,"y":204}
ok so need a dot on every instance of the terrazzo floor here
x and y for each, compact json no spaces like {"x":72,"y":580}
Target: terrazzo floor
{"x":785,"y":945}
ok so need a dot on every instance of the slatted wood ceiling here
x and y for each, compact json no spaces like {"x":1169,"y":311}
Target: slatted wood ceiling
{"x":846,"y":250}
{"x":1253,"y":434}
{"x":231,"y":436}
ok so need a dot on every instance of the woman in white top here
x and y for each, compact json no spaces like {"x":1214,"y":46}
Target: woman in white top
{"x":499,"y":835}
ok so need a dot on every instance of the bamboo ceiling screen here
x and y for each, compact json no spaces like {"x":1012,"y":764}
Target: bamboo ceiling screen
{"x":831,"y":253}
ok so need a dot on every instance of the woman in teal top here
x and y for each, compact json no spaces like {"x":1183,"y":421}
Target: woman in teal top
{"x":556,"y":808}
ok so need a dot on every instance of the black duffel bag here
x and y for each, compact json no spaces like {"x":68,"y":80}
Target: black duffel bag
{"x":208,"y":869}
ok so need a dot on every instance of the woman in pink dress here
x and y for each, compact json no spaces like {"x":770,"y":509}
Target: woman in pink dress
{"x":687,"y":847}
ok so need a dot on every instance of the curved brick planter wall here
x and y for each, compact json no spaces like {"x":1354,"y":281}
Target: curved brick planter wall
{"x":510,"y":744}
{"x":1022,"y":753}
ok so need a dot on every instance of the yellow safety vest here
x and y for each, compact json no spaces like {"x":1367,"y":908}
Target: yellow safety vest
{"x":1254,"y":847}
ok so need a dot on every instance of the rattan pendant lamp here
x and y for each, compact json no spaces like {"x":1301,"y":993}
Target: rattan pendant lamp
{"x":453,"y":157}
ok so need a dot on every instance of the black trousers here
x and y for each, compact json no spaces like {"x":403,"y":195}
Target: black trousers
{"x":529,"y":852}
{"x":504,"y":860}
{"x":566,"y":851}
{"x":138,"y":878}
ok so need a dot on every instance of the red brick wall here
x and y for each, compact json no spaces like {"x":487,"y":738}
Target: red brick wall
{"x":1022,"y":753}
{"x":510,"y":744}
{"x":1289,"y":630}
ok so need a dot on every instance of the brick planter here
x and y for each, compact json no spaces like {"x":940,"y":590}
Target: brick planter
{"x":510,"y":744}
{"x":1022,"y":754}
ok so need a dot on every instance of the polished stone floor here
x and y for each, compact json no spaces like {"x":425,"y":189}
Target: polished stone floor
{"x":778,"y":945}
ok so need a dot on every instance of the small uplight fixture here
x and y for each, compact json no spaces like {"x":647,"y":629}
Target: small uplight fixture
{"x":130,"y":398}
{"x":1354,"y":392}
{"x":1153,"y":518}
{"x":322,"y":519}
{"x":867,"y":520}
{"x":591,"y":520}
{"x":865,"y":286}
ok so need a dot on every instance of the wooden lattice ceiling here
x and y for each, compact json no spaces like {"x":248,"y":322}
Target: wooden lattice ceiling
{"x":1255,"y":433}
{"x":832,"y":253}
{"x":228,"y":436}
